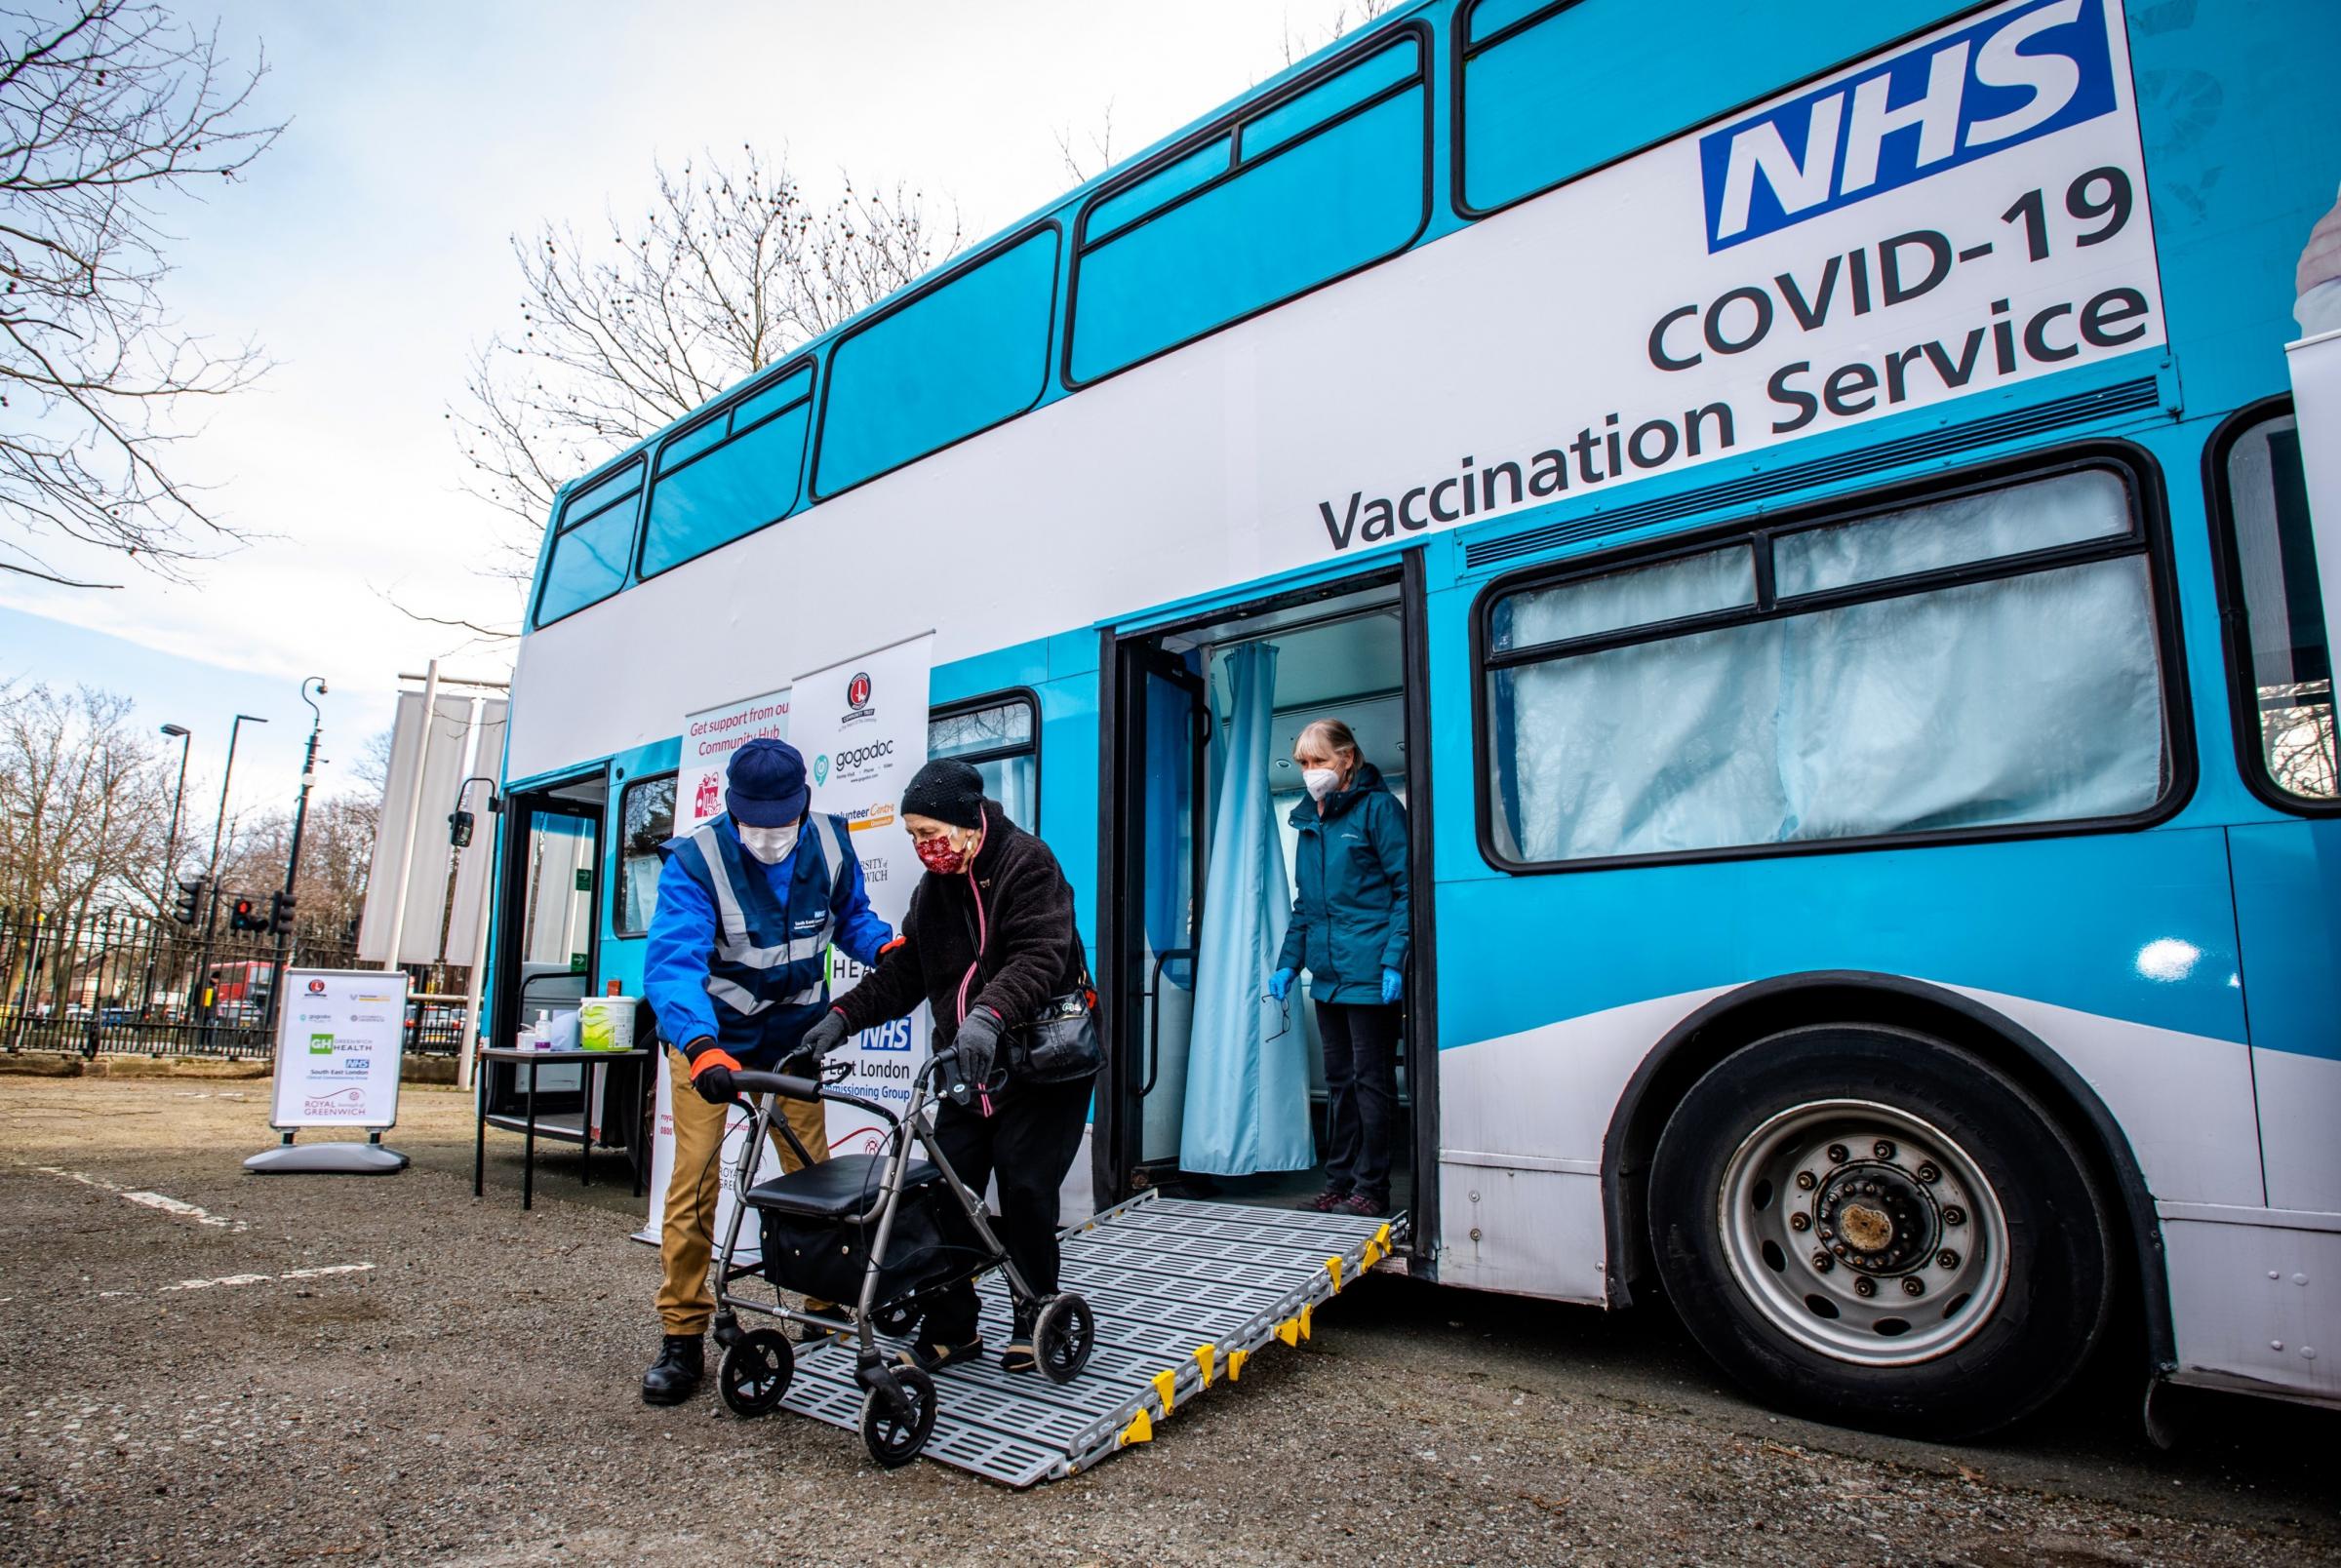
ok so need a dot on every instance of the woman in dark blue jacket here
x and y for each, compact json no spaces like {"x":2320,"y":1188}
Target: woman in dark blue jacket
{"x":1350,"y":930}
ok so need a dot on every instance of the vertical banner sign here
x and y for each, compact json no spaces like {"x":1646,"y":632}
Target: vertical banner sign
{"x":338,"y":1040}
{"x":709,"y":738}
{"x":862,"y":727}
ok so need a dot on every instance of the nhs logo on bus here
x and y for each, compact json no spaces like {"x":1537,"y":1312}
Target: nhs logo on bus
{"x":2015,"y":77}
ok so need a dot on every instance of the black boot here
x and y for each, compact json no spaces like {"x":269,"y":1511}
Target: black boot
{"x":675,"y":1375}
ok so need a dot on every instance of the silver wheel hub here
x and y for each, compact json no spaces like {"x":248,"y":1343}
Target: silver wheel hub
{"x":1863,"y":1233}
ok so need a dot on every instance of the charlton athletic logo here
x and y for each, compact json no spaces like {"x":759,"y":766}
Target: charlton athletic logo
{"x":857,"y":692}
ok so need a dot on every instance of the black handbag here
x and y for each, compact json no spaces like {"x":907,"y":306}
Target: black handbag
{"x":1061,"y":1043}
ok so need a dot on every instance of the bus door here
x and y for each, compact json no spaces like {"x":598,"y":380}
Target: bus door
{"x":1162,"y":725}
{"x":547,"y":934}
{"x":1217,"y":1089}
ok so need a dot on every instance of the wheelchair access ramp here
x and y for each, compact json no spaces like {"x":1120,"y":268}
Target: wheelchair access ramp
{"x":1184,"y":1294}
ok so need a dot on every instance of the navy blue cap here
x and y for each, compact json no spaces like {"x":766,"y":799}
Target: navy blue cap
{"x":764,"y":785}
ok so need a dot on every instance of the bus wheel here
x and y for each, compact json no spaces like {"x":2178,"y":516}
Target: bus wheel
{"x":1875,"y":1229}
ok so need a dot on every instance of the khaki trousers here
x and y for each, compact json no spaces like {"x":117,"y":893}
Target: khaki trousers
{"x":686,"y":1237}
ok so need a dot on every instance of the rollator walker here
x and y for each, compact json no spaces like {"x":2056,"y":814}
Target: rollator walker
{"x":884,"y":1232}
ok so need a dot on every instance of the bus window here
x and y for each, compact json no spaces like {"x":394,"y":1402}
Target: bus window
{"x":1328,"y":180}
{"x":646,"y":820}
{"x":957,"y":358}
{"x":2284,"y":666}
{"x":1000,"y":737}
{"x":1532,"y":72}
{"x":590,"y":548}
{"x":711,"y":491}
{"x":1872,"y":688}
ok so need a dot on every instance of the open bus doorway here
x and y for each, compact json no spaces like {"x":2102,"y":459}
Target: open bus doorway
{"x":1204,"y":728}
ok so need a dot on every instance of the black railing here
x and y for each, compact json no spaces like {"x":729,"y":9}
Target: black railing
{"x":118,"y":982}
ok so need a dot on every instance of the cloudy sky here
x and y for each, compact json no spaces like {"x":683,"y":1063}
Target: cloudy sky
{"x":368,"y":252}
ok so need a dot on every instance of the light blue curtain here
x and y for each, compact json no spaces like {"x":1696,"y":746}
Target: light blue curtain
{"x":1248,"y":1069}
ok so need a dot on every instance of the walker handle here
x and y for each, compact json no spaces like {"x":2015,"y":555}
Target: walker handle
{"x":780,"y":1084}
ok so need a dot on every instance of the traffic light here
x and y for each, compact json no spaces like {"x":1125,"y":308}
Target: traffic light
{"x":188,"y":907}
{"x":246,"y":916}
{"x":280,"y":913}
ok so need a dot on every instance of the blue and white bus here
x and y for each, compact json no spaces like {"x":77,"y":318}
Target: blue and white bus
{"x":1808,"y":518}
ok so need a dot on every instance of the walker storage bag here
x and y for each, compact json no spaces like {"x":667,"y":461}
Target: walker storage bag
{"x":825,"y":1259}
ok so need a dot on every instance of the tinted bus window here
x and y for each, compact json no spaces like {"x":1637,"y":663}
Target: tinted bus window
{"x":958,"y":359}
{"x":591,"y":547}
{"x":646,"y":820}
{"x":716,"y":488}
{"x":1550,"y":92}
{"x":2285,"y":680}
{"x":999,"y":738}
{"x":1643,"y":712}
{"x":1326,"y":182}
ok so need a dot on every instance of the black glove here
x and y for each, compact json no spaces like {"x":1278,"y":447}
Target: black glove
{"x":976,"y":1046}
{"x":826,"y":1036}
{"x":714,"y":1083}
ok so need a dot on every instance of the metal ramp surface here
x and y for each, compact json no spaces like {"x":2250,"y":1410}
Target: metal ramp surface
{"x":1184,"y":1293}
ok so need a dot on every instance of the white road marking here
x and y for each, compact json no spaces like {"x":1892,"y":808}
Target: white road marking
{"x":145,"y":1199}
{"x":319,"y":1273}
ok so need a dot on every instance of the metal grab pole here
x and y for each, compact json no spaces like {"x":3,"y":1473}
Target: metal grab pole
{"x":406,"y":862}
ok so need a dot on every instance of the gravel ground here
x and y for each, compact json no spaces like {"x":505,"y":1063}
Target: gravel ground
{"x":469,"y":1396}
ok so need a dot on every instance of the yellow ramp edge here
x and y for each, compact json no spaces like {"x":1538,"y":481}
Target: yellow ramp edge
{"x":1164,"y":1383}
{"x":1205,"y":1355}
{"x":1140,"y":1431}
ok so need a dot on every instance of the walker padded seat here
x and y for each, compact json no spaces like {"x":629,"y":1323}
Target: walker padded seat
{"x":836,"y":1189}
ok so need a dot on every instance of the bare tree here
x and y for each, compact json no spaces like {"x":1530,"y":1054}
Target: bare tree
{"x":1084,"y":164}
{"x":103,"y":111}
{"x":1347,"y":18}
{"x":84,"y":807}
{"x":730,"y":267}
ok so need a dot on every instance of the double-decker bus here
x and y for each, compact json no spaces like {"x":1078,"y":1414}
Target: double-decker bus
{"x":1807,"y":512}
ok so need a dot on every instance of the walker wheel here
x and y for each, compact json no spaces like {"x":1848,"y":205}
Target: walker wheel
{"x":754,"y":1372}
{"x":893,"y":1440}
{"x":895,"y":1322}
{"x":1062,"y":1337}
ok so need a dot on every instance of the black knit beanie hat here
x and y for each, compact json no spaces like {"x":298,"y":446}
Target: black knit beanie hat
{"x":948,"y":791}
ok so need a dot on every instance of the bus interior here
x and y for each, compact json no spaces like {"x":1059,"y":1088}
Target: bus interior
{"x":1221,"y":1090}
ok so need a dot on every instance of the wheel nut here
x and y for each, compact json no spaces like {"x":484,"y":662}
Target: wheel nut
{"x":1838,"y":1155}
{"x":1954,"y":1215}
{"x":1822,"y":1261}
{"x":1799,"y":1221}
{"x":1865,"y":1287}
{"x":1947,"y":1259}
{"x":1805,"y":1181}
{"x":1883,"y":1149}
{"x":1913,"y":1285}
{"x":1929,"y":1174}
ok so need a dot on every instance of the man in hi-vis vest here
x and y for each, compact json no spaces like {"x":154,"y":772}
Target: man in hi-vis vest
{"x":737,"y":969}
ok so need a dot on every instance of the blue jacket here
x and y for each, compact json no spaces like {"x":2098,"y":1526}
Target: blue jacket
{"x":1350,"y":913}
{"x":797,"y":907}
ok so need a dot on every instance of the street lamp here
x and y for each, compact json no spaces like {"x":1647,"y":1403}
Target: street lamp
{"x":301,"y":815}
{"x":211,"y":919}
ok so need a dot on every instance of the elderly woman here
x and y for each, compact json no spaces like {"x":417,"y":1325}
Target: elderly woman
{"x":1349,"y":929}
{"x":989,"y":941}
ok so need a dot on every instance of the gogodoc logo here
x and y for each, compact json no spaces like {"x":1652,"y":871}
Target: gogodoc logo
{"x":2007,"y":80}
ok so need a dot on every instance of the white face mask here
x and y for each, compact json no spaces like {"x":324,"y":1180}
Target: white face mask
{"x":769,"y":844}
{"x":1322,"y":781}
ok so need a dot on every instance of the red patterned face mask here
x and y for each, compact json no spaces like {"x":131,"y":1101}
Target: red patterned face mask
{"x":939,"y":855}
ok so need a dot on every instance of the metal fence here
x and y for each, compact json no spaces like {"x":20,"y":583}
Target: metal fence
{"x":118,"y":982}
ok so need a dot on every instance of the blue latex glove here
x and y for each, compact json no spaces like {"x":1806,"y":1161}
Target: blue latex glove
{"x":1280,"y":984}
{"x":1393,"y":983}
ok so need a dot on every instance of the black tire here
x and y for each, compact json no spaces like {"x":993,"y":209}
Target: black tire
{"x":755,"y":1372}
{"x":893,"y":1440}
{"x":1991,"y":1313}
{"x":1062,"y":1337}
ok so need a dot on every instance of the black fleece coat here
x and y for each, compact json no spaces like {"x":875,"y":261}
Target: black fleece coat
{"x":1032,"y":951}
